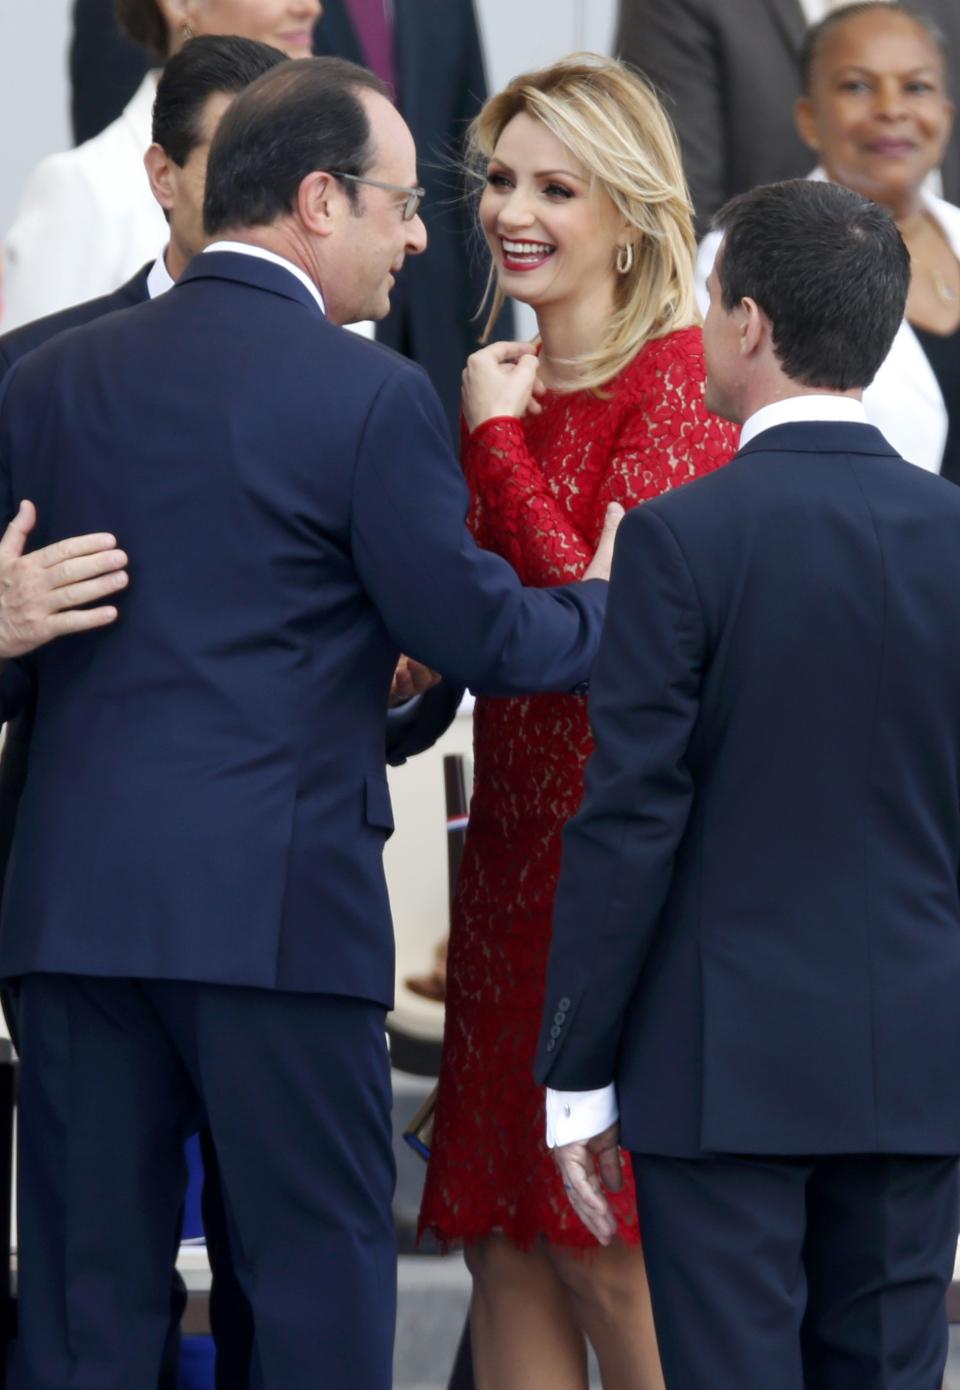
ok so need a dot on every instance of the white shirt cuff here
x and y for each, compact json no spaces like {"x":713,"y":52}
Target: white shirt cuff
{"x":573,"y":1116}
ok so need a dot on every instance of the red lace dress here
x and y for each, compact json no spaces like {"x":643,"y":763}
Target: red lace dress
{"x":539,"y":490}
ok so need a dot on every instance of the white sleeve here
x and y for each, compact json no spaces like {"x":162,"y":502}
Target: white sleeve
{"x":578,"y":1115}
{"x":54,"y":250}
{"x":706,"y":256}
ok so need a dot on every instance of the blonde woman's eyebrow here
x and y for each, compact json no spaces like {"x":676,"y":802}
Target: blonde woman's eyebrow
{"x":539,"y":173}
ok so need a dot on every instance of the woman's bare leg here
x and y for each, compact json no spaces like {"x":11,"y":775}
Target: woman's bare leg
{"x":609,"y":1294}
{"x":522,"y":1326}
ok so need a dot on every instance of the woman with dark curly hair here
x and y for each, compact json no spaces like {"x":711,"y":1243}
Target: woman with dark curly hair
{"x":87,"y":220}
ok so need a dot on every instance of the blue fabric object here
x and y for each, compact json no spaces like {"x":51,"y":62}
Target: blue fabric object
{"x":197,"y":1353}
{"x":197,"y":1360}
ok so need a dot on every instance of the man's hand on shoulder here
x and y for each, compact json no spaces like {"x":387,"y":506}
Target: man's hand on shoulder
{"x":42,"y":594}
{"x":590,"y":1168}
{"x":599,"y":566}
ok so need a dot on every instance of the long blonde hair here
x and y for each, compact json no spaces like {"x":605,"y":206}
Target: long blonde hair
{"x":611,"y":120}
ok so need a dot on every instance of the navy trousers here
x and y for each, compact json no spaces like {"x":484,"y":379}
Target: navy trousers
{"x":295,"y":1090}
{"x":800,"y":1274}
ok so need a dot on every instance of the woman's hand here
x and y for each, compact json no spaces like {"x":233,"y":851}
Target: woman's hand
{"x":500,"y":380}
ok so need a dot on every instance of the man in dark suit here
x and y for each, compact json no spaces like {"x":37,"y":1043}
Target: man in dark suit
{"x":757,"y":926}
{"x":216,"y":947}
{"x":196,"y":87}
{"x":730,"y":74}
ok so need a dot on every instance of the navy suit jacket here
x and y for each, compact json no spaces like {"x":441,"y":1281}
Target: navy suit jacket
{"x":757,"y":929}
{"x":435,"y":710}
{"x":206,"y":796}
{"x":13,"y":346}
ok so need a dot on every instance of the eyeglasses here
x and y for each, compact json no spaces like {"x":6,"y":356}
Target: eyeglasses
{"x":415,"y":196}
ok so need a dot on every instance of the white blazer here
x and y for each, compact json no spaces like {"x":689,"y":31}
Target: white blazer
{"x":87,"y":219}
{"x":904,"y":400}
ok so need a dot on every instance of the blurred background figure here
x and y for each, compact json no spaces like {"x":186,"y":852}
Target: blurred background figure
{"x":585,"y":213}
{"x":429,"y":53}
{"x":875,"y":111}
{"x":87,"y":221}
{"x":730,"y":74}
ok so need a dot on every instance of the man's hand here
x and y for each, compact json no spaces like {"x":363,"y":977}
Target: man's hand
{"x":409,"y":679}
{"x":578,"y":1164}
{"x":599,"y":566}
{"x":41,"y":594}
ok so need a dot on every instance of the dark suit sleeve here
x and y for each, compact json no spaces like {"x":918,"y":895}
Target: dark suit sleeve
{"x":445,"y":602}
{"x":619,"y":850}
{"x":676,"y":46}
{"x":433,"y":717}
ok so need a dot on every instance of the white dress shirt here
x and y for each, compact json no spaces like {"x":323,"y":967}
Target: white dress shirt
{"x":573,"y":1116}
{"x":159,"y":280}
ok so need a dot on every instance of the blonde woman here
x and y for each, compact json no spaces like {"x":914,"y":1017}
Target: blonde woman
{"x":587,"y":218}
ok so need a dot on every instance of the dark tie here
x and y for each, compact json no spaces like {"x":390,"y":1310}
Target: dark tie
{"x":375,"y":33}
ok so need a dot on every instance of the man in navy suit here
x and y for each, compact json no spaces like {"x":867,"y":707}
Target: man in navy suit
{"x":757,"y":927}
{"x":214,"y":944}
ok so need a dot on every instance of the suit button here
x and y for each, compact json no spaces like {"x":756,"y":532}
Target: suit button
{"x":554,"y":1031}
{"x":551,"y":1044}
{"x":564,"y":1004}
{"x":566,"y":1112}
{"x":559,"y":1018}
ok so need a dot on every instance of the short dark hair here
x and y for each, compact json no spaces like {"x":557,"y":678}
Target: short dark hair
{"x":816,"y":35}
{"x":827,"y":267}
{"x":289,"y":123}
{"x":143,"y":21}
{"x":205,"y":66}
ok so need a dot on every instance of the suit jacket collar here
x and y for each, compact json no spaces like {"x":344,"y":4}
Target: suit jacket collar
{"x":134,"y":290}
{"x":820,"y":437}
{"x":247,"y":270}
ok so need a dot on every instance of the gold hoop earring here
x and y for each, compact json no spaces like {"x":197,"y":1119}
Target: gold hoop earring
{"x":186,"y":32}
{"x":625,"y":259}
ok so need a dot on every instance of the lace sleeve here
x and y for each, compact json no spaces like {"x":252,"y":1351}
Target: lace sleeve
{"x":667,"y":437}
{"x":655,"y":436}
{"x":521,"y":517}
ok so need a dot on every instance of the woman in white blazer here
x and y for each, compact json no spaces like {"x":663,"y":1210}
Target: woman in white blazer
{"x":876,"y":112}
{"x":87,"y":220}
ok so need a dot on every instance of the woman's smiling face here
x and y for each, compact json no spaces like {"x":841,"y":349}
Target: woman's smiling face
{"x":877,"y":113}
{"x":552,"y":229}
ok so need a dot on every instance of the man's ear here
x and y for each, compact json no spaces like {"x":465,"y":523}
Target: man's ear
{"x":320,"y":201}
{"x":160,"y":171}
{"x":754,"y":327}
